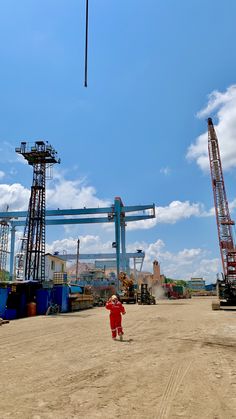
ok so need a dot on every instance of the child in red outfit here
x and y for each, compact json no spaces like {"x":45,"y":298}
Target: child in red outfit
{"x":116,"y":309}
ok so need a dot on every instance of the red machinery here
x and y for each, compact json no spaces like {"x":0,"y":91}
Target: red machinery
{"x":175,"y":292}
{"x":226,"y":288}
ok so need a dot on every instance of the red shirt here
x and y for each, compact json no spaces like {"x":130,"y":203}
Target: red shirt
{"x":115,"y":308}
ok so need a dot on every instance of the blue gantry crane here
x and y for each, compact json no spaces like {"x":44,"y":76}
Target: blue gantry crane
{"x":108,"y":260}
{"x":118,"y":213}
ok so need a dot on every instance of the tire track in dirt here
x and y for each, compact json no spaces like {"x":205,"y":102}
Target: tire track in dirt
{"x":223,"y":369}
{"x":218,"y":357}
{"x":176,"y":378}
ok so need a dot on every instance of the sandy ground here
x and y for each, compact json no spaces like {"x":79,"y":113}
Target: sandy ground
{"x":178,"y":360}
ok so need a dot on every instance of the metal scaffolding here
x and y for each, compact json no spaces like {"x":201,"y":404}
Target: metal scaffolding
{"x":4,"y":234}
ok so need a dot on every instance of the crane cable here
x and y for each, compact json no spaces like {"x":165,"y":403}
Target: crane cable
{"x":86,"y":48}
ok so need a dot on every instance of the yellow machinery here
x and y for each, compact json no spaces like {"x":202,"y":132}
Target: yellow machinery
{"x":144,"y":296}
{"x":128,"y":293}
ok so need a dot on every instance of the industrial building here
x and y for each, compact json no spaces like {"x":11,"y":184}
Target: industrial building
{"x":197,"y":284}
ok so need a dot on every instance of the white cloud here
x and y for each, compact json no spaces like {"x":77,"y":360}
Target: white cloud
{"x":61,"y":193}
{"x":2,"y":174}
{"x":15,"y":196}
{"x":139,"y":225}
{"x":178,"y":210}
{"x":64,"y":193}
{"x":232,"y":205}
{"x":218,"y":100}
{"x":184,"y":264}
{"x":170,"y":214}
{"x":165,"y":171}
{"x":8,"y":155}
{"x":88,"y":244}
{"x":223,"y":104}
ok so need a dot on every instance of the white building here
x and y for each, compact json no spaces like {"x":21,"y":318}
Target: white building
{"x":53,"y":263}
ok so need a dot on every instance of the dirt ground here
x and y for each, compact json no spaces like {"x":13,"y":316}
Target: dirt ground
{"x":178,"y":360}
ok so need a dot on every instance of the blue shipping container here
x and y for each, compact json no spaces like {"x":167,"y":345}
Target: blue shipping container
{"x":10,"y":314}
{"x":43,"y":300}
{"x":60,"y":297}
{"x":3,"y":301}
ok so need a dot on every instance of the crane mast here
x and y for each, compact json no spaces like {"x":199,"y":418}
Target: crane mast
{"x":223,"y":219}
{"x":4,"y":232}
{"x":31,"y":261}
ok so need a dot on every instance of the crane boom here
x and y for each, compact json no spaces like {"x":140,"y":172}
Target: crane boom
{"x":223,"y":219}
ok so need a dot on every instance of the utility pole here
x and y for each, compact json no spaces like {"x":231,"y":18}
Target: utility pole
{"x":77,"y":260}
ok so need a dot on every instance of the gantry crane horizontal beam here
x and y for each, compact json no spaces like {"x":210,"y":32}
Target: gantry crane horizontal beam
{"x":62,"y":221}
{"x":90,"y":256}
{"x":78,"y":211}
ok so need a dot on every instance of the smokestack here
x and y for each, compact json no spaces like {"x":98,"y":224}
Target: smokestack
{"x":209,"y":121}
{"x":156,"y":271}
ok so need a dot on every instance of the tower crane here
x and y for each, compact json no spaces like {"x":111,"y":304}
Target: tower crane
{"x":226,"y":288}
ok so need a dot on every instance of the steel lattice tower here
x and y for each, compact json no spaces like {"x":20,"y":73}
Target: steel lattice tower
{"x":223,"y":219}
{"x":4,"y":233}
{"x":32,"y":255}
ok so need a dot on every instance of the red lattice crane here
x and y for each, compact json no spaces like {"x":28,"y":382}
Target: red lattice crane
{"x":227,"y":287}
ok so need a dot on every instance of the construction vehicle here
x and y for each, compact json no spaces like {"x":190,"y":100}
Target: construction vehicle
{"x":80,"y":297}
{"x":101,"y":296}
{"x":226,"y":287}
{"x":173,"y":291}
{"x":144,"y":296}
{"x":128,"y":291}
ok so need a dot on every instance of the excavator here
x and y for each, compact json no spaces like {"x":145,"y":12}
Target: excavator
{"x":226,"y":287}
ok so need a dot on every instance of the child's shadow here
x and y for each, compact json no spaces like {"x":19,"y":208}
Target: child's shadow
{"x":126,"y":340}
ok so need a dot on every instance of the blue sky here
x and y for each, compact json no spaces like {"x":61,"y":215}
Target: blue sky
{"x":156,"y":71}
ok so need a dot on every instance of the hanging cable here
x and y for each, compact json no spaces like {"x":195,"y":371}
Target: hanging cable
{"x":86,"y":48}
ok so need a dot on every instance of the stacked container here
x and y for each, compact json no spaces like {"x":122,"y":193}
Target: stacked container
{"x":59,"y":278}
